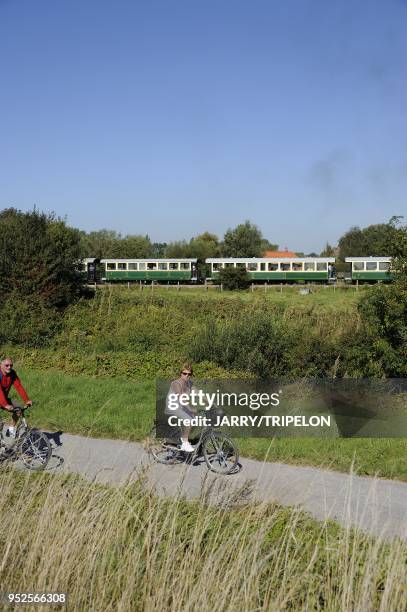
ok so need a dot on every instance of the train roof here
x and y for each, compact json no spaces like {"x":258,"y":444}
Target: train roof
{"x":369,"y":258}
{"x":149,"y":260}
{"x":269,"y":259}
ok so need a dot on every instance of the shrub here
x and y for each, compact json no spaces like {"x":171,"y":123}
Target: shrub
{"x":38,"y":258}
{"x":27,"y":322}
{"x":384,"y":312}
{"x":234,"y":278}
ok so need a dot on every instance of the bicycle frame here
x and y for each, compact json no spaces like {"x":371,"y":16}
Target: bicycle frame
{"x":29,"y":444}
{"x":202,"y":437}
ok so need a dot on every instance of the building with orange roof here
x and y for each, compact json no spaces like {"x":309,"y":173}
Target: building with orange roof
{"x":279,"y":254}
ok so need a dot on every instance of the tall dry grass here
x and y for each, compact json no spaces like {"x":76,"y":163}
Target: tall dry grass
{"x":125,"y":549}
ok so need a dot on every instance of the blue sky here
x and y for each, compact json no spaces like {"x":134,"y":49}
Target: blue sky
{"x":173,"y":117}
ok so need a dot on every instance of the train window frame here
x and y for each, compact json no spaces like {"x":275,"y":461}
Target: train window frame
{"x":133,"y":266}
{"x":369,"y":267}
{"x":163,"y":266}
{"x":358,"y":266}
{"x":297,"y":266}
{"x":173,"y":266}
{"x":262,"y":266}
{"x":322,"y":266}
{"x":151,"y":266}
{"x":309,"y":266}
{"x":384,"y":266}
{"x":285,"y":266}
{"x":216,"y":267}
{"x":251,"y":266}
{"x":229,"y":264}
{"x":272,"y":266}
{"x":111,"y":266}
{"x":184,"y":265}
{"x":142,"y":266}
{"x":122,"y":266}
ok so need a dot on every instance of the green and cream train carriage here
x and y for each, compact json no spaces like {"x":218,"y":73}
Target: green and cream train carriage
{"x":277,"y":269}
{"x":370,"y":269}
{"x":160,"y":270}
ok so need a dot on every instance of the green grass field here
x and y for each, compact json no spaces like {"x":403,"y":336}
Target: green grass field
{"x":320,"y":295}
{"x":119,"y":408}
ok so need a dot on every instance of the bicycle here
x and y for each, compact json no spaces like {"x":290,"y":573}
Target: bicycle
{"x":30,"y":445}
{"x":220,"y":453}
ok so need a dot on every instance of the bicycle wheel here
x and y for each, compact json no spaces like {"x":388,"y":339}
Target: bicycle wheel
{"x":162,"y":451}
{"x":35,"y":450}
{"x":220,"y":453}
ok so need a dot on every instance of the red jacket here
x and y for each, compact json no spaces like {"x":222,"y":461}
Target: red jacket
{"x":6,"y":382}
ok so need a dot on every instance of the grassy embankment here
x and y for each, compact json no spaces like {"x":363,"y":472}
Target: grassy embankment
{"x":125,"y":549}
{"x":96,"y":376}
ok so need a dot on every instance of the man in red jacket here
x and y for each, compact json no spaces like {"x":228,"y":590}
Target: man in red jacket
{"x":8,"y":378}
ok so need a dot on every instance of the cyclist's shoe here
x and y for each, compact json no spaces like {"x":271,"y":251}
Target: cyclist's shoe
{"x":11,"y":432}
{"x":187,"y":447}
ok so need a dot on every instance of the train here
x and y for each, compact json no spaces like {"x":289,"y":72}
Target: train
{"x":259,"y":270}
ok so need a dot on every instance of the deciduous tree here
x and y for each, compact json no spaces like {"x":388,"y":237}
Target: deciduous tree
{"x":39,"y":255}
{"x":245,"y":240}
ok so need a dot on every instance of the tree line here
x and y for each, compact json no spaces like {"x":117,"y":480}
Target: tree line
{"x":245,"y":240}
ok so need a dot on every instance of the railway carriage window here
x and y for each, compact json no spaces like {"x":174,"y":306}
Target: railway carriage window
{"x":184,"y":265}
{"x":241,"y":266}
{"x":173,"y":266}
{"x":358,"y":266}
{"x":142,"y":266}
{"x":285,"y":267}
{"x":163,"y":266}
{"x":262,"y":267}
{"x":110,"y":266}
{"x":229,"y":265}
{"x":215,"y":267}
{"x":371,"y":265}
{"x":297,"y":267}
{"x":273,"y":267}
{"x":384,"y":266}
{"x":151,"y":266}
{"x":309,"y":266}
{"x":122,"y":266}
{"x":322,"y":266}
{"x":252,"y":267}
{"x":132,"y":266}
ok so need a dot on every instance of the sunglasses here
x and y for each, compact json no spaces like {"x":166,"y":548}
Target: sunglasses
{"x":187,"y":373}
{"x":8,"y":365}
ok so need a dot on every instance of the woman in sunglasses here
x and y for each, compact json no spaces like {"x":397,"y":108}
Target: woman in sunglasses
{"x":181,"y":386}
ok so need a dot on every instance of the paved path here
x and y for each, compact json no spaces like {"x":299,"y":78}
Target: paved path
{"x":377,"y":506}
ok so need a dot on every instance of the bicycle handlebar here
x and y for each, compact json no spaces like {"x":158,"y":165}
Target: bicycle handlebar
{"x":21,"y":409}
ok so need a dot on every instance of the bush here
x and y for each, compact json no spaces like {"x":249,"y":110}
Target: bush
{"x":266,"y":344}
{"x":384,"y":311}
{"x":27,"y":322}
{"x":38,"y":258}
{"x":234,"y":279}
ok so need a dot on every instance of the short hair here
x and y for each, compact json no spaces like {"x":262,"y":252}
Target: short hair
{"x":6,"y":357}
{"x":187,"y":366}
